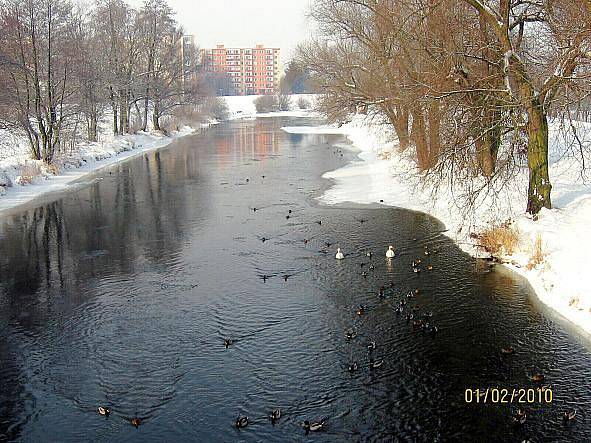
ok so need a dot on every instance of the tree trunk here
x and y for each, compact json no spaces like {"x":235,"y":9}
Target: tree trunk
{"x":398,"y":116}
{"x":434,"y":116}
{"x":487,"y":146}
{"x":115,"y":114}
{"x":419,"y":138}
{"x":156,"y":117}
{"x":538,"y":194}
{"x":92,"y":124}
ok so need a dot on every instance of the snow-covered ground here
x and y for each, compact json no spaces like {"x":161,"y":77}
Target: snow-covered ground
{"x":241,"y":107}
{"x":22,"y":179}
{"x":382,"y":175}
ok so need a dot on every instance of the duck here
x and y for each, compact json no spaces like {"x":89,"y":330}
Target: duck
{"x":263,"y":239}
{"x":327,"y":244}
{"x":537,"y":378}
{"x":287,"y":217}
{"x":136,"y":422}
{"x":339,"y":255}
{"x":417,"y":324}
{"x":285,"y":277}
{"x":350,"y":334}
{"x":276,"y":414}
{"x":375,"y":364}
{"x":247,"y":180}
{"x":519,"y":417}
{"x":262,"y":176}
{"x":508,"y":350}
{"x":353,"y":367}
{"x":360,"y":310}
{"x":409,"y":317}
{"x":430,"y":268}
{"x":265,"y":277}
{"x":398,"y":309}
{"x":364,"y":274}
{"x":361,"y":265}
{"x":569,"y":415}
{"x":241,"y":422}
{"x":382,"y":292}
{"x":371,"y":267}
{"x":104,"y":410}
{"x":433,"y":329}
{"x":428,"y":314}
{"x":371,"y":346}
{"x":390,"y":252}
{"x":228,"y":342}
{"x":319,"y":222}
{"x":305,"y":241}
{"x":289,"y":211}
{"x":314,"y":426}
{"x":416,"y":270}
{"x":369,"y":254}
{"x":417,"y":291}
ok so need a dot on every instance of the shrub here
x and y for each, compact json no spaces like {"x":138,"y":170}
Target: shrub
{"x":537,"y":253}
{"x":303,"y":103}
{"x":284,"y":102}
{"x":266,"y":103}
{"x":215,"y":107}
{"x":499,"y":240}
{"x":28,"y":173}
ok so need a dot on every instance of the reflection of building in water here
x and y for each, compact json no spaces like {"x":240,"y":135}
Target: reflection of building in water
{"x":254,"y":140}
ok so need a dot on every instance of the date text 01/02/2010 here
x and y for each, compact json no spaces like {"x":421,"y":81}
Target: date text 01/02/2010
{"x":508,"y":395}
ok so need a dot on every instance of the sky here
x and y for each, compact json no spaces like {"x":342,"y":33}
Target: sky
{"x":244,"y":23}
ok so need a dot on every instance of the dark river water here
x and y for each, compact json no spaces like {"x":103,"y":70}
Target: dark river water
{"x":122,"y":292}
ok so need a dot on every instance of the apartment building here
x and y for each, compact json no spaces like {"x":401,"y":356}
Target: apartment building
{"x":247,"y":70}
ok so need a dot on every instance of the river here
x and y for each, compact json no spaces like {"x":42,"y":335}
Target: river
{"x":122,"y":291}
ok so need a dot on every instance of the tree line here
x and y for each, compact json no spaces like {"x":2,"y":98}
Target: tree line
{"x":468,"y":86}
{"x":64,"y":64}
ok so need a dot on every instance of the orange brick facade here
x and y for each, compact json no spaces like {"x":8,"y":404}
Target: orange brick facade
{"x":249,"y":70}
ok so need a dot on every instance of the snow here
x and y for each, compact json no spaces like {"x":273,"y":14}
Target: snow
{"x":241,"y":107}
{"x":561,"y":281}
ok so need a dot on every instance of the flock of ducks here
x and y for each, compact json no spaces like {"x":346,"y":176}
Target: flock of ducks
{"x":418,"y":321}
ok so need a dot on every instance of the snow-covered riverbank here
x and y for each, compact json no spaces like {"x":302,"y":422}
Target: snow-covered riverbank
{"x":22,"y":179}
{"x":383,"y":175}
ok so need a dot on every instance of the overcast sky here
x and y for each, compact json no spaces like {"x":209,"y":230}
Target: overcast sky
{"x":275,"y":23}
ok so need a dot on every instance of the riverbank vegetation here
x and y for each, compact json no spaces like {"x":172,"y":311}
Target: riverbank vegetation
{"x":468,"y":87}
{"x":65,"y":66}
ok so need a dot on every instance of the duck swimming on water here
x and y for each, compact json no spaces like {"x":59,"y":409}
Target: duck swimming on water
{"x":276,"y":414}
{"x":241,"y":422}
{"x":390,"y":252}
{"x":314,"y":426}
{"x":570,"y":414}
{"x":104,"y":410}
{"x":339,"y":255}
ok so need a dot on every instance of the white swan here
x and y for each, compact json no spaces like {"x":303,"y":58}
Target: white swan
{"x":390,"y":252}
{"x":339,"y":255}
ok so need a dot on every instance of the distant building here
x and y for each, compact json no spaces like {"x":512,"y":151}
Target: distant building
{"x":245,"y":71}
{"x":188,"y":55}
